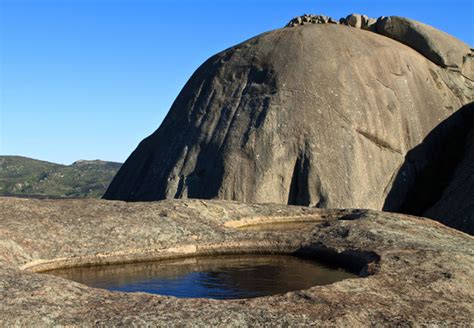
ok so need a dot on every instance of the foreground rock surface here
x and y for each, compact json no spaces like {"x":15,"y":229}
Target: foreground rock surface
{"x":415,"y":271}
{"x":321,"y":115}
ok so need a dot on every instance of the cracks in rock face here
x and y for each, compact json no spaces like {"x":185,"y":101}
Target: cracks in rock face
{"x":257,"y":118}
{"x":225,"y":117}
{"x":378,"y":142}
{"x":398,"y":74}
{"x":382,"y":83}
{"x":260,"y":100}
{"x":181,"y":183}
{"x":354,"y":215}
{"x":436,"y":79}
{"x":256,"y":80}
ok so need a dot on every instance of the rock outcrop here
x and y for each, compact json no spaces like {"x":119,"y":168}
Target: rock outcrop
{"x":321,"y":115}
{"x":359,"y":21}
{"x":310,"y":19}
{"x":438,"y":46}
{"x":414,"y":271}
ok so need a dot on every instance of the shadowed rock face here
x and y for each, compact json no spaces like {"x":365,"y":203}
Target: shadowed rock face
{"x":320,"y":115}
{"x":437,"y":174}
{"x":455,"y":206}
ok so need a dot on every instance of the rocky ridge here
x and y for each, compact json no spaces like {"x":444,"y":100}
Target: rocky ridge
{"x":27,"y":177}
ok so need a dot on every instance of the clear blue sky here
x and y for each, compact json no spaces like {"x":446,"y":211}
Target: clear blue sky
{"x":88,"y":79}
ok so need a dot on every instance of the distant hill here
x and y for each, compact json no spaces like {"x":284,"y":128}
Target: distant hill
{"x":21,"y":176}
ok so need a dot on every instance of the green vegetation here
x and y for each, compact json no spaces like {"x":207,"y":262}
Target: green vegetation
{"x":21,"y":176}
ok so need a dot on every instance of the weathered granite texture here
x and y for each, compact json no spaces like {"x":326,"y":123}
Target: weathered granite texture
{"x":321,"y":115}
{"x":414,"y":271}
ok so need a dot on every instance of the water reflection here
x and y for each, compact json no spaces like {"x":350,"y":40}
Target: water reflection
{"x":218,"y":277}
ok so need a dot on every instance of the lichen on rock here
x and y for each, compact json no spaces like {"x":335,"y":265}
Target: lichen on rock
{"x":414,"y":271}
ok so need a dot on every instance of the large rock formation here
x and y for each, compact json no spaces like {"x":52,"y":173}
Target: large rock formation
{"x":415,"y":272}
{"x":321,"y":115}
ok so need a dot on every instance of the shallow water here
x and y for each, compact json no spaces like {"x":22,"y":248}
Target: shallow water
{"x":217,"y":277}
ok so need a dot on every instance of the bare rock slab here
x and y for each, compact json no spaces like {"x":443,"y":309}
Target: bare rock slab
{"x":414,"y":271}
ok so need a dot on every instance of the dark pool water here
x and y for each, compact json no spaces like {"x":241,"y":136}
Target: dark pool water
{"x":217,"y":277}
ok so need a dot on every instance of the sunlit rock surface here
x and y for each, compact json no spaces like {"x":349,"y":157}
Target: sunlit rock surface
{"x":413,"y":271}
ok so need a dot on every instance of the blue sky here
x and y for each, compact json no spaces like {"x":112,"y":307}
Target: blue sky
{"x":89,"y":79}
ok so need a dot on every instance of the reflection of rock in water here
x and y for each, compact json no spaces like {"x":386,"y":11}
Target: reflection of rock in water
{"x":214,"y":277}
{"x":277,"y":274}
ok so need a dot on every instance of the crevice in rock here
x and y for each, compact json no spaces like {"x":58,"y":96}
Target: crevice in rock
{"x":294,"y":186}
{"x":377,"y":141}
{"x":179,"y":190}
{"x":299,"y":192}
{"x":354,"y":215}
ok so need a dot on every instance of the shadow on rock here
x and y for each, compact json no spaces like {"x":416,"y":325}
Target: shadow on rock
{"x":429,"y":167}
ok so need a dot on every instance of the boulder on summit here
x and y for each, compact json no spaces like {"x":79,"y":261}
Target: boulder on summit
{"x":438,"y":46}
